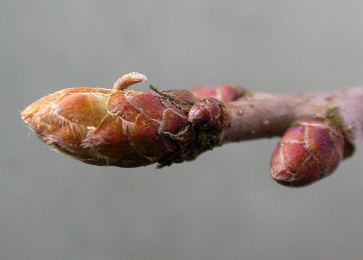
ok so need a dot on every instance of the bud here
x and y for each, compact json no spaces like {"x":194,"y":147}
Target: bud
{"x":119,"y":127}
{"x":206,"y":113}
{"x":309,"y":150}
{"x":224,"y":93}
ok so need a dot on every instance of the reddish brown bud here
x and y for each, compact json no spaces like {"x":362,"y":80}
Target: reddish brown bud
{"x":206,"y":114}
{"x":225,"y":93}
{"x":309,"y":150}
{"x":120,"y":127}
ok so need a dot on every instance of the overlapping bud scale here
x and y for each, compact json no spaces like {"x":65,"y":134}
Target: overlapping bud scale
{"x":309,"y":150}
{"x":105,"y":127}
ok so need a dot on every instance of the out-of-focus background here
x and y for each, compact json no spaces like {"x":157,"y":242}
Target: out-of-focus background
{"x":224,"y":205}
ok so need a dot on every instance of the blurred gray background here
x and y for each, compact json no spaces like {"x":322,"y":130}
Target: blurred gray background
{"x":224,"y":205}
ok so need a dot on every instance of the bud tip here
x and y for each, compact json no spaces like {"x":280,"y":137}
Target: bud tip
{"x":128,"y":79}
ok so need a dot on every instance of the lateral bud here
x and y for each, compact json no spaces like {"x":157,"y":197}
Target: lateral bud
{"x":310,"y":150}
{"x":206,"y":114}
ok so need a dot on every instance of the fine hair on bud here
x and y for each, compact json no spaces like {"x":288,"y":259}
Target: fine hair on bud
{"x":310,"y":150}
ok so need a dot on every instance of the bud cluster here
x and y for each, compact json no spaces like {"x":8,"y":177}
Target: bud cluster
{"x":126,"y":128}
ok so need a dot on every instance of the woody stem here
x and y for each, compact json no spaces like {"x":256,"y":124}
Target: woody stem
{"x":258,"y":115}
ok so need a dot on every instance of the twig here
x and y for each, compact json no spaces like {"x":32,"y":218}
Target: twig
{"x":128,"y":128}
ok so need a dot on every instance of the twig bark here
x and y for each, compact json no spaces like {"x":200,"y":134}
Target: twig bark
{"x":258,"y":115}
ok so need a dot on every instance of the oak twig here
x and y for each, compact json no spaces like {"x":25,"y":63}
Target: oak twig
{"x":128,"y":128}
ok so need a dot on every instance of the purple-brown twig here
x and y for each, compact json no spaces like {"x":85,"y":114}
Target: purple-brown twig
{"x":129,"y":128}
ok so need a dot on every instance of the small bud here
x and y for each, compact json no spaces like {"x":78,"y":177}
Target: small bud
{"x":224,"y":93}
{"x":309,"y":150}
{"x":206,"y":114}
